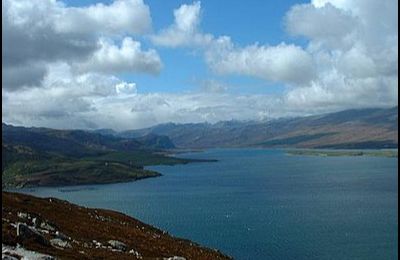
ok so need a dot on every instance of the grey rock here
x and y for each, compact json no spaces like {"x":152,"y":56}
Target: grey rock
{"x":8,"y":257}
{"x":117,"y":245}
{"x":134,"y":252}
{"x":36,"y":221}
{"x":56,"y":242}
{"x":25,"y":232}
{"x":8,"y":252}
{"x":47,"y":226}
{"x":23,"y":215}
{"x":62,"y":236}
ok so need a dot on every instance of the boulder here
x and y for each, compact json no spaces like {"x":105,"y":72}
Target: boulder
{"x":62,"y":236}
{"x":23,"y":215}
{"x":47,"y":226}
{"x":117,"y":245}
{"x":56,"y":242}
{"x":24,"y":232}
{"x":18,"y":252}
{"x":135,"y":253}
{"x":8,"y":257}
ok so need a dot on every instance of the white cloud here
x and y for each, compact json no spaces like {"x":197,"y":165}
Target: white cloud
{"x":326,"y":25}
{"x":36,"y":33}
{"x":184,"y":30}
{"x":121,"y":16}
{"x":355,"y":63}
{"x":63,"y":96}
{"x":125,"y":88}
{"x":337,"y":92}
{"x":284,"y":63}
{"x":129,"y":57}
{"x":62,"y":107}
{"x":350,"y":42}
{"x":354,"y":46}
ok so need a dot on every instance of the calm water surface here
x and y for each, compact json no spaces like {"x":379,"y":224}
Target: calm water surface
{"x":262,"y":204}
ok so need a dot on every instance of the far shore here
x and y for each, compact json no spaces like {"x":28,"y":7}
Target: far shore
{"x":391,"y":153}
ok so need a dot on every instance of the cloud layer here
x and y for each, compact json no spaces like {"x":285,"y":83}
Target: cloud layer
{"x":351,"y":59}
{"x":61,"y":64}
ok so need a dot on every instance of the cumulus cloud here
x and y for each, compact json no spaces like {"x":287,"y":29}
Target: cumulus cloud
{"x":110,"y":58}
{"x":351,"y":58}
{"x":324,"y":25}
{"x":36,"y":33}
{"x":62,"y":96}
{"x":125,"y":88}
{"x":356,"y":57}
{"x":127,"y":16}
{"x":185,"y":29}
{"x":283,"y":63}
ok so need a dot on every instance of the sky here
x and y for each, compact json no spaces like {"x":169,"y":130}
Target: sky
{"x":129,"y":64}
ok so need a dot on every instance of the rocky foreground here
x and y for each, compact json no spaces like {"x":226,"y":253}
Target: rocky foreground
{"x":36,"y":228}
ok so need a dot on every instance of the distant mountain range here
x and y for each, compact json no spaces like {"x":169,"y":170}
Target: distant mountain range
{"x":356,"y":128}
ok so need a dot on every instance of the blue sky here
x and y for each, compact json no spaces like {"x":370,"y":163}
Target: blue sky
{"x":127,"y":64}
{"x":246,"y":22}
{"x":260,"y":21}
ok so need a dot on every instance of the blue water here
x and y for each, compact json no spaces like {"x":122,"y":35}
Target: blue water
{"x":262,"y":204}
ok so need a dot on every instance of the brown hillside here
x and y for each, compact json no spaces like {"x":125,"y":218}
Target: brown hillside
{"x":67,"y":231}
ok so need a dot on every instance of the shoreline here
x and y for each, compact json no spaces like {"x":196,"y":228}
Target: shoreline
{"x":388,"y":153}
{"x":92,"y":171}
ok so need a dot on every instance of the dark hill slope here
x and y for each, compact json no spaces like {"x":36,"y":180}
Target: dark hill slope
{"x":49,"y":157}
{"x":78,"y":142}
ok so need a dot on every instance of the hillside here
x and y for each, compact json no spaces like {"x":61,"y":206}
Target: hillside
{"x":356,"y":128}
{"x":59,"y":229}
{"x":49,"y":157}
{"x":78,"y":143}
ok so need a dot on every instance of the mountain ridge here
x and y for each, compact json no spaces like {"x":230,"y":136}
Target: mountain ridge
{"x":353,"y":128}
